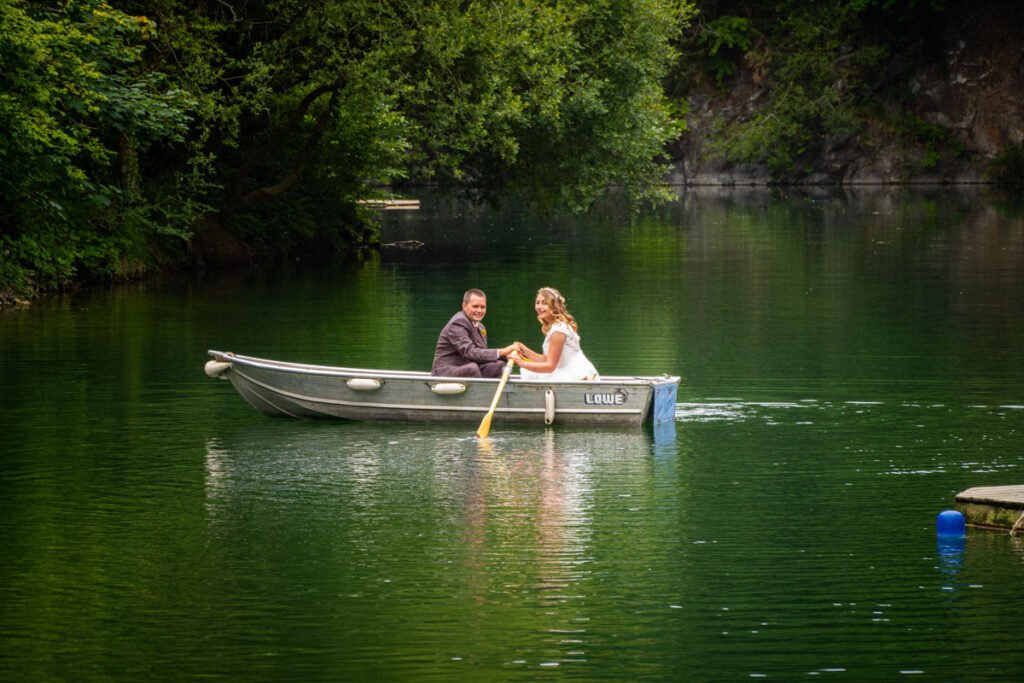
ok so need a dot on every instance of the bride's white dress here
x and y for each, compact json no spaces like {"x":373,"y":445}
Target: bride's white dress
{"x":573,"y":364}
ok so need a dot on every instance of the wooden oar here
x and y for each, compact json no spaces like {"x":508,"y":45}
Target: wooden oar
{"x":485,"y":424}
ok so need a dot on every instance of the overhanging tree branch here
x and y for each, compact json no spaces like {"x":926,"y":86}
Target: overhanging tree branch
{"x":235,"y":199}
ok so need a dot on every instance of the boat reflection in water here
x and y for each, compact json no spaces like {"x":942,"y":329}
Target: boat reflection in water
{"x":427,"y":531}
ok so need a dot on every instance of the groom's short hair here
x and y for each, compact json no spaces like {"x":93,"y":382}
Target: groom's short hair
{"x":471,"y":293}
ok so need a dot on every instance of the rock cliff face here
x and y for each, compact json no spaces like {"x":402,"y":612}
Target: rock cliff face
{"x":967,"y":77}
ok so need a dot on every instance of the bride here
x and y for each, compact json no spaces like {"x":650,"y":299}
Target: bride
{"x":563,"y":359}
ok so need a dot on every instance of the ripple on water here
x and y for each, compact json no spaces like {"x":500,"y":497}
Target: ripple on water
{"x":739,"y":410}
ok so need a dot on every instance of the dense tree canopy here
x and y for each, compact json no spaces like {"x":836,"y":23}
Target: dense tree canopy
{"x":75,"y":111}
{"x":134,"y":130}
{"x":140,"y":133}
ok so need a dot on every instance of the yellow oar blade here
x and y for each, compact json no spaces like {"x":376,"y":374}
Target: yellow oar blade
{"x":485,"y":424}
{"x":485,"y":427}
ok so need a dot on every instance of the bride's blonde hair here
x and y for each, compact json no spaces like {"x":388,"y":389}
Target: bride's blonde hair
{"x":556,"y":304}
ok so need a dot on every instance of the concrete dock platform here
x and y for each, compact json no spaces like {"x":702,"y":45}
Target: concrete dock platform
{"x":998,"y":507}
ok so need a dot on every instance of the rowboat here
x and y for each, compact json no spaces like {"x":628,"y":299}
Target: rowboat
{"x":298,"y":390}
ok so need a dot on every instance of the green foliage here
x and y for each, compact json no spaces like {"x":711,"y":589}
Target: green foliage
{"x":75,"y":110}
{"x":724,"y":40}
{"x":821,"y":58}
{"x":1008,"y":167}
{"x":558,"y":100}
{"x":935,"y":141}
{"x":269,"y":119}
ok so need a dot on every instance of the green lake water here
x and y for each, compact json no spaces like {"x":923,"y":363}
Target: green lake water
{"x":850,"y":362}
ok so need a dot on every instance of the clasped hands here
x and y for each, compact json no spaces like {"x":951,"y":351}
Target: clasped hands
{"x":515,"y":351}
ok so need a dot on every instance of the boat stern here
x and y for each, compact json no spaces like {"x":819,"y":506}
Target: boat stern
{"x":665,"y":392}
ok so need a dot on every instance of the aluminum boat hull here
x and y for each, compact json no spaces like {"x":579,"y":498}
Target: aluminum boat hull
{"x":302,"y":391}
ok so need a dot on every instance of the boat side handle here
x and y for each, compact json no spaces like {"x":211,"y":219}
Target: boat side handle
{"x":364,"y":384}
{"x":448,"y":388}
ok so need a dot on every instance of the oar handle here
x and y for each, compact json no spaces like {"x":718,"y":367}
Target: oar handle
{"x":501,"y":385}
{"x":485,"y":424}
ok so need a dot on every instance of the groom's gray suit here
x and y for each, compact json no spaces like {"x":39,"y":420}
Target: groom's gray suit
{"x":462,"y":351}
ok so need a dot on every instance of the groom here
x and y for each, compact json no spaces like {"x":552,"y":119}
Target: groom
{"x":462,"y":346}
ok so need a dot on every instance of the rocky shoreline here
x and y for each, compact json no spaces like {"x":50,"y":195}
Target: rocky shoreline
{"x":971,"y":87}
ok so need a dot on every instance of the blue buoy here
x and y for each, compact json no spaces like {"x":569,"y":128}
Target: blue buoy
{"x":950,"y":523}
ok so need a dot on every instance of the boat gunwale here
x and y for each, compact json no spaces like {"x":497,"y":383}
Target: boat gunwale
{"x":339,"y":371}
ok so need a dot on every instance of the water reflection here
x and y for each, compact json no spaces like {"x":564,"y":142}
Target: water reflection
{"x":217,"y":471}
{"x":951,"y":560}
{"x":665,"y":437}
{"x":535,"y":498}
{"x":542,"y":501}
{"x":511,"y":518}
